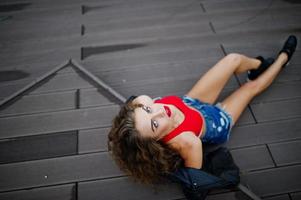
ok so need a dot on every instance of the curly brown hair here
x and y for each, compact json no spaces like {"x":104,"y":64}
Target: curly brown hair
{"x":143,"y":158}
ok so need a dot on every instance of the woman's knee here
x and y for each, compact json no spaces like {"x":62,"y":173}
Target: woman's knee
{"x":234,"y":58}
{"x":253,"y":87}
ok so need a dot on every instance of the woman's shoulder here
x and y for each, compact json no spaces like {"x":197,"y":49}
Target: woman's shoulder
{"x":190,"y":149}
{"x":184,"y":141}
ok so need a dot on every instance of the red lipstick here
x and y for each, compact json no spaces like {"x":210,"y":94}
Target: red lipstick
{"x":167,"y":110}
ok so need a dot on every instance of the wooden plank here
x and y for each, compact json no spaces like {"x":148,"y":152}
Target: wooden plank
{"x":138,"y":23}
{"x":62,"y":82}
{"x":40,"y":103}
{"x":13,"y":7}
{"x":48,"y":146}
{"x":254,"y":38}
{"x":153,"y":73}
{"x":99,"y":83}
{"x":236,"y":17}
{"x":139,"y":9}
{"x":62,"y":170}
{"x":160,"y":87}
{"x":95,"y":2}
{"x":180,"y":43}
{"x":93,"y":140}
{"x":38,"y":61}
{"x":68,"y":70}
{"x":127,"y":189}
{"x":92,"y":24}
{"x":287,"y":109}
{"x":126,"y":59}
{"x":57,"y":122}
{"x":223,"y":27}
{"x":62,"y":192}
{"x":93,"y":97}
{"x":215,"y":6}
{"x":92,"y":11}
{"x":14,"y":85}
{"x":296,"y":196}
{"x":40,"y":30}
{"x":278,"y":197}
{"x":23,"y":80}
{"x":92,"y":50}
{"x":278,"y":92}
{"x":34,"y":29}
{"x":7,"y":91}
{"x":31,"y":54}
{"x":275,"y":181}
{"x":9,"y":88}
{"x":45,"y":5}
{"x":153,"y":33}
{"x":263,"y":133}
{"x":36,"y":82}
{"x":253,"y":158}
{"x":46,"y":13}
{"x":237,"y":195}
{"x":250,"y":14}
{"x":286,"y":153}
{"x":270,"y":21}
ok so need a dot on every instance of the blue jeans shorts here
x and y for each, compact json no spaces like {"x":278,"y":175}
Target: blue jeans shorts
{"x":218,"y":122}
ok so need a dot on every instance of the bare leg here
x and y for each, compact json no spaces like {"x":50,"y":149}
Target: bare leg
{"x":236,"y":103}
{"x":208,"y":88}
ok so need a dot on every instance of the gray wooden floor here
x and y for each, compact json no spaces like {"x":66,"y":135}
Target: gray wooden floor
{"x":53,"y":135}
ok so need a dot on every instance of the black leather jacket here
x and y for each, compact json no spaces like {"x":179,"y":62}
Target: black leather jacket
{"x":218,"y":171}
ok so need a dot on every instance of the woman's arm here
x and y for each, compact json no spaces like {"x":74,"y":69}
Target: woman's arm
{"x":192,"y":151}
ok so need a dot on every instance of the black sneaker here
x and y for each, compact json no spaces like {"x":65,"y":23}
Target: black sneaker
{"x":265,"y":63}
{"x":289,"y":47}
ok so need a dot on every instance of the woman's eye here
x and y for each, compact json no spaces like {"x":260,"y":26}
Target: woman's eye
{"x":148,"y":109}
{"x":156,"y":124}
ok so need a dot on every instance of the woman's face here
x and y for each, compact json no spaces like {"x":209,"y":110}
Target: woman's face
{"x":153,"y":119}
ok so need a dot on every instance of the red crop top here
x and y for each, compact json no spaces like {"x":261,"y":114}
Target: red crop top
{"x":192,"y":121}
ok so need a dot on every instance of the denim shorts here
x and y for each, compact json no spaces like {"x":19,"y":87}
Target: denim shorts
{"x":218,"y":121}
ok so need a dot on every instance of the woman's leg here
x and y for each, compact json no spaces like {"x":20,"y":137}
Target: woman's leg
{"x":208,"y":88}
{"x":236,"y":103}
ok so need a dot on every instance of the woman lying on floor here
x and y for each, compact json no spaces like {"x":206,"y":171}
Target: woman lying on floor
{"x":152,"y":138}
